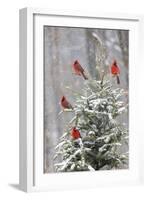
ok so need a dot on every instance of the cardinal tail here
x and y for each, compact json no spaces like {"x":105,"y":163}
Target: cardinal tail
{"x":118,"y":80}
{"x":70,"y":106}
{"x":84,"y":76}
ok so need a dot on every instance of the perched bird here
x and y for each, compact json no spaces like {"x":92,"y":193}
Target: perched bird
{"x":115,"y":71}
{"x":65,"y":104}
{"x":78,"y":70}
{"x":75,"y":133}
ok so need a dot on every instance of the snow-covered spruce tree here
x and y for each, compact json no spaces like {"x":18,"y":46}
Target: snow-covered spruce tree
{"x":94,"y":135}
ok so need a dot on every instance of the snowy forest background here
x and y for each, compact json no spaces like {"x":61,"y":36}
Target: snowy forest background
{"x":95,"y":49}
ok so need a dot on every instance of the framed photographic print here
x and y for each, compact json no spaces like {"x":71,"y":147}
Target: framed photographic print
{"x":79,"y":103}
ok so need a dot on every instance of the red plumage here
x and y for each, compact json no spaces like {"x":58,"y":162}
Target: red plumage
{"x":78,"y":69}
{"x":75,"y":133}
{"x":65,"y":104}
{"x":115,"y":70}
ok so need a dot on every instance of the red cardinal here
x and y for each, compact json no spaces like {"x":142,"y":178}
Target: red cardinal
{"x":75,"y":133}
{"x":115,"y":71}
{"x":65,"y":103}
{"x":77,"y":68}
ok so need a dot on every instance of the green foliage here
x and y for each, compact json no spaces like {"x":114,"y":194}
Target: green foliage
{"x":96,"y":114}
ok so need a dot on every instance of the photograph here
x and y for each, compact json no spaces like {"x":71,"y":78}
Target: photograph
{"x":86,"y":99}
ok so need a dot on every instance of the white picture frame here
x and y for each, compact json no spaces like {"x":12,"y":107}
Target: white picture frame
{"x":31,"y":175}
